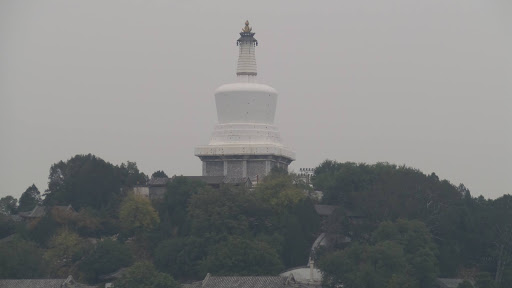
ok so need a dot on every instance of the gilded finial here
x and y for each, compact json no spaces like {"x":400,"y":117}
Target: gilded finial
{"x":247,"y":29}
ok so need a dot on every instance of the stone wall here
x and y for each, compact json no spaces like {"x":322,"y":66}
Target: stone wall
{"x":234,"y":168}
{"x":213,"y":168}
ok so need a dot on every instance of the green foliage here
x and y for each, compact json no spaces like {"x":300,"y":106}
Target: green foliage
{"x":240,"y":256}
{"x":403,"y":255}
{"x":232,"y":231}
{"x":108,"y":256}
{"x":29,"y":199}
{"x":159,"y":174}
{"x":7,"y":226}
{"x":219,"y":212}
{"x":181,"y":257}
{"x":298,"y":228}
{"x":65,"y":250}
{"x":41,"y":230}
{"x":137,"y":215}
{"x":88,"y":181}
{"x":173,"y":208}
{"x":20,"y":259}
{"x":84,"y":181}
{"x":144,"y":275}
{"x":279,"y":191}
{"x":413,"y":235}
{"x":385,"y":192}
{"x":8,"y":205}
{"x":130,"y":175}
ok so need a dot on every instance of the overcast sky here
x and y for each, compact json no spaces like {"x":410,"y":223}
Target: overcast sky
{"x":427,"y":84}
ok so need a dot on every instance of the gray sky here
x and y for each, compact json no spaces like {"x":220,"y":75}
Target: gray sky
{"x":422,"y":83}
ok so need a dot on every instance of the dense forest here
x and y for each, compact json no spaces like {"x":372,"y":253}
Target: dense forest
{"x":411,"y":228}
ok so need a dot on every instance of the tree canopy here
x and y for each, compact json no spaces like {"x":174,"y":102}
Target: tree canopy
{"x":401,"y":254}
{"x":136,"y":215}
{"x":89,"y":181}
{"x":8,"y":205}
{"x":393,"y":226}
{"x":29,"y":199}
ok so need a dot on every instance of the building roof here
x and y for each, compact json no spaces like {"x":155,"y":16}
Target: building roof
{"x":29,"y":283}
{"x":37,"y":212}
{"x":325,"y":210}
{"x":303,"y":275}
{"x":245,"y":281}
{"x":114,"y":275}
{"x":41,"y":283}
{"x":8,"y":238}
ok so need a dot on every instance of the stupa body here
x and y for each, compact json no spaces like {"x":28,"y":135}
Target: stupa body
{"x":245,"y":142}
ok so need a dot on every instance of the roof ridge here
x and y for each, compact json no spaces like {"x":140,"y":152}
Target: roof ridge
{"x":205,"y":279}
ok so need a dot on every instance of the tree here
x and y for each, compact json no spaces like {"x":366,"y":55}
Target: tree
{"x":402,"y":255}
{"x":298,"y":227}
{"x":137,"y":215}
{"x":29,"y":199}
{"x":41,"y":230}
{"x":20,"y":259}
{"x":65,"y":249}
{"x":84,"y":181}
{"x":219,"y":212}
{"x":131,"y":176}
{"x":144,"y":275}
{"x":240,"y":256}
{"x":279,"y":191}
{"x":8,"y":205}
{"x":181,"y":257}
{"x":108,"y":256}
{"x":173,"y":209}
{"x":159,"y":174}
{"x":7,"y":226}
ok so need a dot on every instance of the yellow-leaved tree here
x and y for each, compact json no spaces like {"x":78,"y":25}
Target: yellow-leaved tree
{"x":137,"y":215}
{"x":280,"y":191}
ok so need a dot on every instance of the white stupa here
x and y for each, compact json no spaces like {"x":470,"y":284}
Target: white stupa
{"x":245,"y":142}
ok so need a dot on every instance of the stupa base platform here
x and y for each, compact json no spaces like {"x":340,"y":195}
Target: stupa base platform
{"x":235,"y":166}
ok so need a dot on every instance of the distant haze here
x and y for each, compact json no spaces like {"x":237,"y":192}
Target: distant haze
{"x":427,"y":84}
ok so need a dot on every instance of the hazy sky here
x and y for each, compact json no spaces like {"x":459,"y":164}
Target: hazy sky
{"x":427,"y":84}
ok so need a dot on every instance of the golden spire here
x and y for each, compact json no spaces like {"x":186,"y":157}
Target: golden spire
{"x":246,"y":29}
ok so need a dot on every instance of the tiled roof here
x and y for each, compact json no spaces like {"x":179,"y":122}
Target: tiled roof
{"x":41,"y":283}
{"x":64,"y":208}
{"x":325,"y":210}
{"x":29,"y":283}
{"x":244,"y":282}
{"x":8,"y":238}
{"x":40,"y":211}
{"x":114,"y":275}
{"x":37,"y":212}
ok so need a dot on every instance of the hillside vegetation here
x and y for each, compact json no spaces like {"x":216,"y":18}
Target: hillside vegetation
{"x":411,"y":228}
